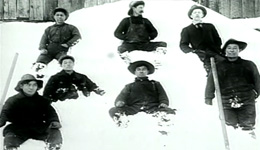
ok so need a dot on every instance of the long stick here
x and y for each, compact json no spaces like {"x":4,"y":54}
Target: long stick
{"x":220,"y":106}
{"x":10,"y":75}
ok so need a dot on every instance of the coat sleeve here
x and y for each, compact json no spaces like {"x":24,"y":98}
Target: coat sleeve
{"x":124,"y":94}
{"x":51,"y":114}
{"x":256,"y":78}
{"x":162,"y":96}
{"x":75,"y":36}
{"x":7,"y":108}
{"x":121,"y":29}
{"x":216,"y":37}
{"x":89,"y":84}
{"x":50,"y":88}
{"x":210,"y":87}
{"x":185,"y":41}
{"x":153,"y":33}
{"x":44,"y":40}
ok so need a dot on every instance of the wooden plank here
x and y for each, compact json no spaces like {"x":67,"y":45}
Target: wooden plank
{"x":9,"y":9}
{"x":36,"y":10}
{"x":236,"y":11}
{"x":1,"y":9}
{"x":65,"y":4}
{"x":23,"y":8}
{"x":224,"y":8}
{"x":248,"y":8}
{"x":49,"y":6}
{"x":257,"y":8}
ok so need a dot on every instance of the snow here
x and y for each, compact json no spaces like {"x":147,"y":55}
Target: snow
{"x":86,"y":123}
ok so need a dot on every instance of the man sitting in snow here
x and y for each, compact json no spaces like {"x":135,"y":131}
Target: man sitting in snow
{"x":201,"y":38}
{"x":65,"y":84}
{"x":143,"y":95}
{"x":56,"y":40}
{"x":137,"y":32}
{"x":31,"y":117}
{"x":239,"y":82}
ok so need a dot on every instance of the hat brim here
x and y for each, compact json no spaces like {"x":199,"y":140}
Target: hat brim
{"x":18,"y":86}
{"x":132,"y":67}
{"x":242,"y":45}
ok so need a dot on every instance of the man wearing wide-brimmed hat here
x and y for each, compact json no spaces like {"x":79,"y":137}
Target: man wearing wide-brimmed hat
{"x":137,"y":32}
{"x":143,"y":95}
{"x":65,"y":84}
{"x":239,"y":82}
{"x":201,"y":38}
{"x":31,"y":117}
{"x":56,"y":40}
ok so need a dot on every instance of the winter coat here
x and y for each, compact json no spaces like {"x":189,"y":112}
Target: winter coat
{"x":239,"y":79}
{"x":122,"y":31}
{"x":33,"y":112}
{"x":143,"y":93}
{"x":204,"y":37}
{"x":56,"y":35}
{"x":63,"y":80}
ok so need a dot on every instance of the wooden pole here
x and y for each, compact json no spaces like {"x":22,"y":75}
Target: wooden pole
{"x":8,"y":80}
{"x":220,"y":106}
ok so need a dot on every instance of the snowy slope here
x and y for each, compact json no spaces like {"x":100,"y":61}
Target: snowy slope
{"x":86,"y":123}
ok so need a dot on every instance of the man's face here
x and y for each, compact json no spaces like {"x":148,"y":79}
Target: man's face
{"x":29,"y":88}
{"x":197,"y":14}
{"x":59,"y":17}
{"x":141,"y":71}
{"x":67,"y":64}
{"x":138,"y":10}
{"x":232,"y":50}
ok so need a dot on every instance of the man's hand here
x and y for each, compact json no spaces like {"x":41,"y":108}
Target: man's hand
{"x":120,"y":103}
{"x":65,"y":45}
{"x":162,"y":105}
{"x":208,"y":101}
{"x":55,"y":125}
{"x":43,"y":51}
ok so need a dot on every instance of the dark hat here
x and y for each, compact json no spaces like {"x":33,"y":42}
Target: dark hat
{"x":134,"y":4}
{"x":241,"y":45}
{"x":66,"y":57}
{"x":197,"y":7}
{"x":59,"y":9}
{"x":136,"y":64}
{"x":27,"y":78}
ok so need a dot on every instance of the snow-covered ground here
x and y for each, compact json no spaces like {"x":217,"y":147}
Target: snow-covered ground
{"x":86,"y":123}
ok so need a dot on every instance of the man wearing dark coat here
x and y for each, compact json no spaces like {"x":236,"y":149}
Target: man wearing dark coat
{"x":239,"y":82}
{"x":201,"y":38}
{"x":31,"y":117}
{"x":137,"y":32}
{"x":57,"y":39}
{"x":65,"y":84}
{"x":143,"y":95}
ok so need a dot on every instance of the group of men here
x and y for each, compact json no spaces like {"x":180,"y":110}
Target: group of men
{"x":31,"y":115}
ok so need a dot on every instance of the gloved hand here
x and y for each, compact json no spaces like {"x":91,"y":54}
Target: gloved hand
{"x":120,"y":103}
{"x":55,"y":125}
{"x":86,"y":92}
{"x":99,"y":91}
{"x":2,"y":123}
{"x":198,"y":51}
{"x":208,"y":101}
{"x":43,"y":51}
{"x":162,"y":105}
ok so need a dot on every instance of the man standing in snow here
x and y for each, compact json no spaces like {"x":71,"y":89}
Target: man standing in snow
{"x":143,"y":95}
{"x":201,"y":38}
{"x":31,"y":117}
{"x":137,"y":32}
{"x":56,"y":40}
{"x":239,"y":82}
{"x":65,"y":84}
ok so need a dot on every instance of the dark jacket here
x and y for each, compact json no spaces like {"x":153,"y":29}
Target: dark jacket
{"x":239,"y":78}
{"x":59,"y":34}
{"x":65,"y":80}
{"x":122,"y":29}
{"x":204,"y":38}
{"x":143,"y":93}
{"x":29,"y":112}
